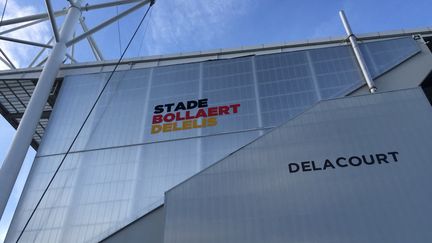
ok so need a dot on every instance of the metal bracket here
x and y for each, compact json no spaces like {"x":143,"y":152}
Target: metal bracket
{"x":74,"y":5}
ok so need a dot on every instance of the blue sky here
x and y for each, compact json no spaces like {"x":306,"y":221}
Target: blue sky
{"x":192,"y":25}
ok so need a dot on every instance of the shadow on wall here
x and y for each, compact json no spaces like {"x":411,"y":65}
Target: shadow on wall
{"x":427,"y":87}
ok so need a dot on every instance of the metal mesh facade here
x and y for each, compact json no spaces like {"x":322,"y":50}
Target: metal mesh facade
{"x":118,"y":170}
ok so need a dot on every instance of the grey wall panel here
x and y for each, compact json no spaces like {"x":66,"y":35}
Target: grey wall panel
{"x":97,"y":192}
{"x":147,"y":229}
{"x":251,"y":196}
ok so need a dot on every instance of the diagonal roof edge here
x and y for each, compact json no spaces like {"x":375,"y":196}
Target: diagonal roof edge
{"x":218,"y":53}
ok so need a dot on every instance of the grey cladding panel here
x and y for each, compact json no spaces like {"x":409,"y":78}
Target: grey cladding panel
{"x":251,"y":196}
{"x":147,"y":229}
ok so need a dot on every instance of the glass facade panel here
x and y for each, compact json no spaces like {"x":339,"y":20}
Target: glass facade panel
{"x":336,"y":71}
{"x":231,"y":82}
{"x":97,"y":192}
{"x":289,"y":83}
{"x":120,"y":167}
{"x":381,"y":56}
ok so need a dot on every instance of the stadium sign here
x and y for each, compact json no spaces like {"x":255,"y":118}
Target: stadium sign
{"x":187,"y":115}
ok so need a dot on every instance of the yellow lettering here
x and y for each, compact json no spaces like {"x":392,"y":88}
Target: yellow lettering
{"x":156,"y":129}
{"x":212,"y":121}
{"x":167,"y":127}
{"x":187,"y":124}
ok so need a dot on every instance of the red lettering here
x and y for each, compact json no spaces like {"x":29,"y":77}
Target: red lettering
{"x":179,"y":117}
{"x":169,"y":117}
{"x":212,"y":111}
{"x":224,"y":110}
{"x":188,"y":116}
{"x":157,"y":119}
{"x":201,"y":113}
{"x":235,"y":107}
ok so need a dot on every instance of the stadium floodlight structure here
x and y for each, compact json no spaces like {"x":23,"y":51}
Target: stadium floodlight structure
{"x":105,"y":167}
{"x":61,"y":41}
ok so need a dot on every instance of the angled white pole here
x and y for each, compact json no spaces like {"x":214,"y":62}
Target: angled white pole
{"x":31,"y":43}
{"x":71,"y":58}
{"x":73,"y":48}
{"x":6,"y":62}
{"x":24,"y":134}
{"x":52,"y":19}
{"x":40,"y":53}
{"x":22,"y":26}
{"x":96,"y":51}
{"x":7,"y":59}
{"x":44,"y":16}
{"x":357,"y":52}
{"x":42,"y":62}
{"x":107,"y":22}
{"x":108,"y":4}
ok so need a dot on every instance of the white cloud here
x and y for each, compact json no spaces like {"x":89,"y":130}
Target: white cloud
{"x":180,"y":23}
{"x":22,"y":54}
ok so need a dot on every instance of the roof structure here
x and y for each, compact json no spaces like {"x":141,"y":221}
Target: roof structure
{"x":17,"y":85}
{"x":15,"y":92}
{"x":14,"y":97}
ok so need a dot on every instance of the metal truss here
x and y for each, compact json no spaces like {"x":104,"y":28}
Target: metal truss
{"x":28,"y":116}
{"x":51,"y":15}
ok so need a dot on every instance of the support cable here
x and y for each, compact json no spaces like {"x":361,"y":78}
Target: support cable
{"x":145,"y":31}
{"x":4,"y":54}
{"x":85,"y":121}
{"x":7,"y":59}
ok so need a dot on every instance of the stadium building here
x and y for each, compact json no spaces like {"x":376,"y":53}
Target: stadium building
{"x":273,"y":143}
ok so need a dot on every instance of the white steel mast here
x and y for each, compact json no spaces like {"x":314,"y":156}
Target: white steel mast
{"x":62,"y":40}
